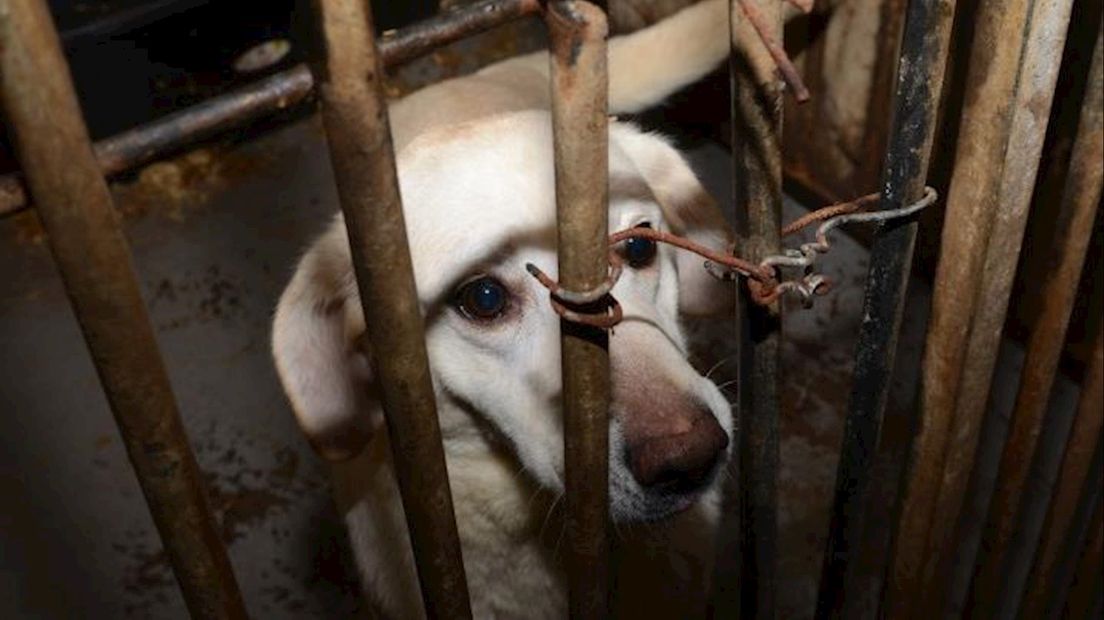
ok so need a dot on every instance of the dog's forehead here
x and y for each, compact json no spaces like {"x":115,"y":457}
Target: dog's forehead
{"x":478,"y":190}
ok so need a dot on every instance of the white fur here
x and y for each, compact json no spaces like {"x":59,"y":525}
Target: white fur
{"x":476,"y":175}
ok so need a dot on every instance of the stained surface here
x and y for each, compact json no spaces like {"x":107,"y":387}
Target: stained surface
{"x":215,"y":235}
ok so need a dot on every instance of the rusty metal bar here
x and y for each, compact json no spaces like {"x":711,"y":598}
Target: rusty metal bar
{"x":1080,"y":199}
{"x":1083,"y":441}
{"x":1013,"y":68}
{"x":280,"y":91}
{"x":354,"y":114}
{"x":1038,"y":74}
{"x":924,"y":49}
{"x":53,"y":148}
{"x":746,"y":565}
{"x":1084,"y":591}
{"x":578,"y":33}
{"x":1086,"y":515}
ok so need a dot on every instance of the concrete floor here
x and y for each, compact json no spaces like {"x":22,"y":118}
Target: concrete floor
{"x":214,"y":235}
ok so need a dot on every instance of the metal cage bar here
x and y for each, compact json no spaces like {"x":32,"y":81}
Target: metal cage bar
{"x":579,"y":84}
{"x":1084,"y":590}
{"x":997,"y":156}
{"x":1083,"y":442}
{"x":924,"y":50}
{"x":1081,"y":197}
{"x":354,"y":114}
{"x":267,"y":96}
{"x":54,"y":150}
{"x":757,"y":94}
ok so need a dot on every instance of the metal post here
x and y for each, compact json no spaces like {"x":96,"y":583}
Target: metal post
{"x":1013,"y":68}
{"x":54,"y":150}
{"x":1084,"y":440}
{"x":920,"y":78}
{"x":280,"y":91}
{"x":1084,"y":592}
{"x":1080,"y":199}
{"x":745,"y":572}
{"x":354,"y":113}
{"x":1038,"y":74}
{"x":578,"y":33}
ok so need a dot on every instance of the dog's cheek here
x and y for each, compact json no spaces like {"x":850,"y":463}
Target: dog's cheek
{"x":494,"y":388}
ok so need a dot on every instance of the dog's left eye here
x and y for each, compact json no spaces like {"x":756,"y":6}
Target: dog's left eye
{"x":482,"y":299}
{"x":640,"y":251}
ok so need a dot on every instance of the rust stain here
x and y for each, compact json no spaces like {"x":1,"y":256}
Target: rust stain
{"x":173,"y":187}
{"x":28,"y":228}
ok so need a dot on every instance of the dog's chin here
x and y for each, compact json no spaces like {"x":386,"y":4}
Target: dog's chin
{"x":637,"y":505}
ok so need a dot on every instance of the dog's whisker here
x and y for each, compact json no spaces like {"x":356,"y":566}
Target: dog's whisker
{"x":709,"y":373}
{"x":727,"y":383}
{"x":559,"y":539}
{"x":548,"y":515}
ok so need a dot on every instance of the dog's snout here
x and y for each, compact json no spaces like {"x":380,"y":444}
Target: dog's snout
{"x":681,"y":461}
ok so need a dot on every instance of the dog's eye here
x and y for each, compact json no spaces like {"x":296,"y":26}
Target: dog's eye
{"x":482,"y":299}
{"x":639,"y":251}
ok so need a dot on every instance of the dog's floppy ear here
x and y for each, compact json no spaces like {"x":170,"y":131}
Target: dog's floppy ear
{"x":315,"y":337}
{"x":690,"y":212}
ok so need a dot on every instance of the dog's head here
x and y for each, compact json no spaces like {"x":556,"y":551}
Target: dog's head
{"x":479,"y":203}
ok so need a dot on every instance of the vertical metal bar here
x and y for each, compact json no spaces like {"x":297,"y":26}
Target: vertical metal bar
{"x":1085,"y":518}
{"x":578,"y":33}
{"x":920,"y":78}
{"x":935,"y":485}
{"x":1013,"y":70}
{"x":52,"y":144}
{"x":1086,"y":586}
{"x":1038,"y":75}
{"x":1080,"y":199}
{"x":757,"y":105}
{"x":1084,"y":440}
{"x":354,"y":113}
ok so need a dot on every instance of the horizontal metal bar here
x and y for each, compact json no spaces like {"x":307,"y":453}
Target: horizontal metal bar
{"x":354,"y":114}
{"x":1080,"y":199}
{"x":578,"y":33}
{"x":925,"y":44}
{"x":52,"y":145}
{"x":280,"y":91}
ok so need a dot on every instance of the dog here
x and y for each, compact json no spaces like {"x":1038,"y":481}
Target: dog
{"x":475,"y":167}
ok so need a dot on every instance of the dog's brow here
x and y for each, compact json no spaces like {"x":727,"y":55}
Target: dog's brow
{"x":630,"y":187}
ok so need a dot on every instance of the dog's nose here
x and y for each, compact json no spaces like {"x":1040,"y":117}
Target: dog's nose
{"x":679,"y":462}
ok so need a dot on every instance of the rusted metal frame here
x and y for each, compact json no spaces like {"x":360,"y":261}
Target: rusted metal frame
{"x":1010,"y":85}
{"x":52,"y":145}
{"x":920,"y":78}
{"x":267,"y":96}
{"x":942,"y":449}
{"x":1080,"y":199}
{"x":1076,"y":541}
{"x":1084,"y":591}
{"x":744,"y":580}
{"x":1038,"y":75}
{"x":354,"y":113}
{"x":1083,"y":441}
{"x":579,"y":84}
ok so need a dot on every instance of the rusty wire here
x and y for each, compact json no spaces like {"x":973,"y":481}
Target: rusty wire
{"x":762,"y":278}
{"x":786,"y":68}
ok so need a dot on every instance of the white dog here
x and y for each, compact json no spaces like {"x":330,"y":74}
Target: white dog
{"x":476,"y":174}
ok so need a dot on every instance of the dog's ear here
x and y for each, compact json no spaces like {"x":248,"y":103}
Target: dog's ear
{"x":315,"y":344}
{"x":690,"y":212}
